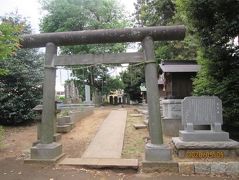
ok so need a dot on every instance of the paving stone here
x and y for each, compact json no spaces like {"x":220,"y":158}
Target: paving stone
{"x":218,"y":168}
{"x":159,"y":166}
{"x":202,"y":168}
{"x":101,"y":162}
{"x":186,"y":168}
{"x":232,"y":168}
{"x":140,"y":126}
{"x":136,"y":115}
{"x":63,"y":128}
{"x":108,"y":142}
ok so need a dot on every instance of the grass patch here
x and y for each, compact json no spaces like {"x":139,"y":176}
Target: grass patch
{"x":134,"y":140}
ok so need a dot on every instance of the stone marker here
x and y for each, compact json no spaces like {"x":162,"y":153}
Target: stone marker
{"x":87,"y":94}
{"x":205,"y":110}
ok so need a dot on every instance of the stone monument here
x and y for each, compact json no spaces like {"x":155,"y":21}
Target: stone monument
{"x":87,"y":95}
{"x":204,"y":110}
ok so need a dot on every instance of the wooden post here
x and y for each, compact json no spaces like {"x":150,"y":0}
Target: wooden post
{"x":155,"y":127}
{"x":49,"y":111}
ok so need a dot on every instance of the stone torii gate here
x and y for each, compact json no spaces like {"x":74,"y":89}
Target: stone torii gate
{"x":49,"y":150}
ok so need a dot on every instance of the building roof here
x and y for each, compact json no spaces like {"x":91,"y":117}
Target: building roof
{"x":179,"y":66}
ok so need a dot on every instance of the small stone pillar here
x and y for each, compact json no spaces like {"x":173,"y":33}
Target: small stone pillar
{"x":87,"y":94}
{"x":47,"y":149}
{"x":155,"y":150}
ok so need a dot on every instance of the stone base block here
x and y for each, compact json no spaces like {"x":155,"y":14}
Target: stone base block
{"x":46,"y":151}
{"x":63,"y":128}
{"x":140,"y":126}
{"x":56,"y":137}
{"x":157,"y":152}
{"x":171,"y":127}
{"x":186,"y":168}
{"x":204,"y":135}
{"x":63,"y":120}
{"x":162,"y":166}
{"x":205,"y":149}
{"x":71,"y":124}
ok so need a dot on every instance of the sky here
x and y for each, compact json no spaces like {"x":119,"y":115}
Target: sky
{"x":31,"y":9}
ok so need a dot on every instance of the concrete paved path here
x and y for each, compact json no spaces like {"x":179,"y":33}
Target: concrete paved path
{"x":108,"y":142}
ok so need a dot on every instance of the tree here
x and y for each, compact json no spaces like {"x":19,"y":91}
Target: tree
{"x":112,"y":84}
{"x":216,"y":25}
{"x":9,"y":39}
{"x":161,"y":13}
{"x":132,"y":79}
{"x":76,"y":15}
{"x":20,"y":87}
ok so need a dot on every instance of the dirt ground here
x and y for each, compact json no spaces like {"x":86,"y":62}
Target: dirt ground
{"x":18,"y":141}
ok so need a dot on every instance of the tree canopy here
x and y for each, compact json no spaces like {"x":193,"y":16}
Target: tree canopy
{"x":9,"y":39}
{"x":215,"y":23}
{"x":76,"y":15}
{"x":163,"y":12}
{"x":21,"y":85}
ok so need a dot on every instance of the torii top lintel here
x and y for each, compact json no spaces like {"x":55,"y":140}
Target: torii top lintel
{"x":158,"y":33}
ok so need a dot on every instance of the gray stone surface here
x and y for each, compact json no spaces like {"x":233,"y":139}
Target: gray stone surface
{"x":201,"y":110}
{"x":172,"y":108}
{"x":151,"y":73}
{"x":78,"y":115}
{"x":64,"y":128}
{"x":63,"y":120}
{"x":108,"y":142}
{"x":232,"y":168}
{"x":180,"y":144}
{"x":87,"y":94}
{"x":48,"y":122}
{"x":57,"y":137}
{"x":157,"y":152}
{"x":218,"y":168}
{"x":202,"y":168}
{"x":171,"y":127}
{"x":160,"y":166}
{"x":46,"y":151}
{"x":204,"y":135}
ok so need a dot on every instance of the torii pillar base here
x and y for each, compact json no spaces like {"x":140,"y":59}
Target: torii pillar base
{"x":46,"y":153}
{"x":158,"y":158}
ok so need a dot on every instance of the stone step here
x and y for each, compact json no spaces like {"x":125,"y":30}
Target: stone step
{"x":63,"y":128}
{"x":140,"y":126}
{"x":101,"y":163}
{"x":136,"y":115}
